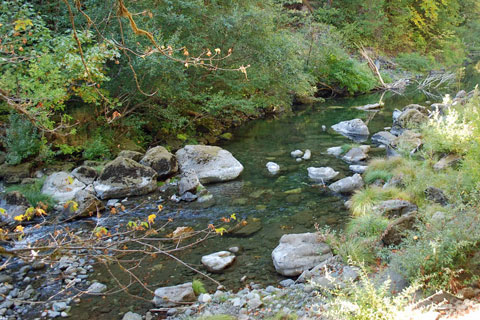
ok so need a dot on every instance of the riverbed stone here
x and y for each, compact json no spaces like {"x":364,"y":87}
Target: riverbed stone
{"x":411,"y":118}
{"x":134,"y":155}
{"x":96,"y":288}
{"x":348,"y":184}
{"x":299,"y":252}
{"x":354,"y":129}
{"x":296,"y":153}
{"x":15,"y":174}
{"x":335,"y":151}
{"x":211,"y":163}
{"x":321,"y":174}
{"x":395,"y":231}
{"x":383,"y":137}
{"x":160,"y":160}
{"x":62,"y":186}
{"x":87,"y":205}
{"x":246,"y":228}
{"x":395,"y":208}
{"x":14,"y":203}
{"x":85,"y":174}
{"x":218,"y":261}
{"x":273,"y":167}
{"x":174,"y":295}
{"x":188,"y":182}
{"x":357,"y":168}
{"x":355,"y":155}
{"x":124,"y":177}
{"x":131,"y":316}
{"x":307,"y":155}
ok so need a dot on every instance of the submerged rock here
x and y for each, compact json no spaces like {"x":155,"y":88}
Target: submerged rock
{"x":160,"y":160}
{"x":212,"y":164}
{"x":174,"y":295}
{"x":96,"y":288}
{"x":188,"y":182}
{"x":299,"y":252}
{"x":246,"y":228}
{"x":61,"y":186}
{"x":354,"y":129}
{"x":272,"y":167}
{"x":347,"y":185}
{"x":322,"y":174}
{"x":218,"y":261}
{"x":124,"y":177}
{"x":296,"y":153}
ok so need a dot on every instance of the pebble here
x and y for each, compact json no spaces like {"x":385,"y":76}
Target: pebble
{"x":287,"y":283}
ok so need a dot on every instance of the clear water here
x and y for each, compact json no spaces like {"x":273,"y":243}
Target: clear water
{"x":256,"y":194}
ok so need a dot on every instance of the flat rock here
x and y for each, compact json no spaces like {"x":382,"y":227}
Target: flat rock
{"x":347,"y":185}
{"x":354,"y":129}
{"x":174,"y":295}
{"x":355,"y":155}
{"x":218,"y":261}
{"x":383,"y":137}
{"x":212,"y":164}
{"x":124,"y":177}
{"x":321,"y":174}
{"x":296,"y":153}
{"x":62,"y":186}
{"x":299,"y":252}
{"x":160,"y":160}
{"x":396,"y":208}
{"x":96,"y":288}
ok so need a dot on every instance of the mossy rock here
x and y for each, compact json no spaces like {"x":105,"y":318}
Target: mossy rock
{"x":15,"y":174}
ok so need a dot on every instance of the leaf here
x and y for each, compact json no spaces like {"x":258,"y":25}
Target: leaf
{"x":233,"y":216}
{"x":22,"y":24}
{"x":19,"y":229}
{"x":70,"y":180}
{"x":220,"y":230}
{"x":160,"y":207}
{"x":151,"y":218}
{"x":3,"y":211}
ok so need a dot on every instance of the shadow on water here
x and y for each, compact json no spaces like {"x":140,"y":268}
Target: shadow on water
{"x":256,"y":194}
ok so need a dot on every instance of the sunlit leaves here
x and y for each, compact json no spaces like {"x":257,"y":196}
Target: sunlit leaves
{"x":22,"y":24}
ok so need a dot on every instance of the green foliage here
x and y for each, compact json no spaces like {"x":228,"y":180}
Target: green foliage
{"x":364,"y":200}
{"x":374,"y":175}
{"x":350,"y":246}
{"x":367,"y":226}
{"x":198,"y":287}
{"x":415,"y":62}
{"x":33,"y":193}
{"x":366,"y":300}
{"x":96,"y":149}
{"x":22,"y":140}
{"x":283,"y":316}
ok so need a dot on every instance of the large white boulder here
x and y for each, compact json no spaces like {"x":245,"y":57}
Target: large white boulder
{"x":62,"y":186}
{"x":354,"y":129}
{"x":211,"y":163}
{"x":299,"y":252}
{"x":321,"y":174}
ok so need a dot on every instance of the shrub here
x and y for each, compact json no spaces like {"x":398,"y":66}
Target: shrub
{"x":33,"y":193}
{"x":367,"y":226}
{"x":415,"y":62}
{"x":22,"y":140}
{"x":96,"y":149}
{"x":373,"y":175}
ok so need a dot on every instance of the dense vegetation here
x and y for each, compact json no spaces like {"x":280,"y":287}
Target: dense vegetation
{"x":84,"y":79}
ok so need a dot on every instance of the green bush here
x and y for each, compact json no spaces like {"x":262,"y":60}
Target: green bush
{"x":415,"y":62}
{"x":96,"y":149}
{"x":22,"y":140}
{"x":33,"y":193}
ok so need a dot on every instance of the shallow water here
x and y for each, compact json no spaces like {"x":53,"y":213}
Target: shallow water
{"x":256,"y":194}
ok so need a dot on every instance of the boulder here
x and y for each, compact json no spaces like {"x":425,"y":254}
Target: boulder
{"x":383,"y":137}
{"x":212,"y":164}
{"x":335,"y":151}
{"x":131,"y":316}
{"x":160,"y":160}
{"x":396,"y":208}
{"x":14,"y":203}
{"x":246,"y":228}
{"x":15,"y":174}
{"x":347,"y":185}
{"x":436,"y":195}
{"x":85,"y":174}
{"x":296,"y":154}
{"x":272,"y":167}
{"x":411,"y":118}
{"x":447,"y":161}
{"x":396,"y":230}
{"x":87,"y":205}
{"x":62,"y":186}
{"x":355,"y":155}
{"x":124,"y":177}
{"x":397,"y":282}
{"x":408,"y":140}
{"x":354,"y":129}
{"x":188,"y":182}
{"x":299,"y":252}
{"x":357,"y":168}
{"x":307,"y":155}
{"x":174,"y":295}
{"x":218,"y":261}
{"x":134,"y":155}
{"x":321,"y":174}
